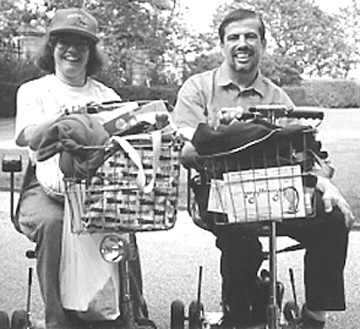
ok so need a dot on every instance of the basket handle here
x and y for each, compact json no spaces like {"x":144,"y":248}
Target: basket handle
{"x":135,"y":157}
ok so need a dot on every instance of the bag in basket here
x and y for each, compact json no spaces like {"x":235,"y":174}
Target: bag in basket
{"x":50,"y":177}
{"x":135,"y":189}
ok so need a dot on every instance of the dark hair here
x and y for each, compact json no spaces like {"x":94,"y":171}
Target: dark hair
{"x":45,"y":60}
{"x":239,"y":15}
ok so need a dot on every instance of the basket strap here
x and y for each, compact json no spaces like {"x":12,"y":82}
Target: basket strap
{"x":156,"y":143}
{"x":136,"y":158}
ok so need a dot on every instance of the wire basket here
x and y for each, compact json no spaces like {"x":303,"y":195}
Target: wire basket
{"x":110,"y":200}
{"x":268,"y":181}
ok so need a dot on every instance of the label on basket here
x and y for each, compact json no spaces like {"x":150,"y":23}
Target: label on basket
{"x":260,"y":194}
{"x":129,"y":116}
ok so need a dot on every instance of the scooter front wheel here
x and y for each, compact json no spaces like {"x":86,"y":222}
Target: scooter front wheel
{"x":195,"y":315}
{"x":19,"y":320}
{"x":4,"y":320}
{"x":290,"y":312}
{"x":177,"y":316}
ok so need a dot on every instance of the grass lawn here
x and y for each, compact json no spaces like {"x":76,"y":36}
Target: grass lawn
{"x":340,"y":135}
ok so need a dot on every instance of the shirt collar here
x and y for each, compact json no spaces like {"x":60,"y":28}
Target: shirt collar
{"x":224,"y":80}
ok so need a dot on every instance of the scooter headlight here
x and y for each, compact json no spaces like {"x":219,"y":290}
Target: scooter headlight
{"x":113,"y":248}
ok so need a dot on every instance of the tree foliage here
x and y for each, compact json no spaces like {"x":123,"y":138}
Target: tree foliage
{"x":302,"y":39}
{"x":14,"y":15}
{"x":136,"y":35}
{"x":147,"y":41}
{"x":350,"y":23}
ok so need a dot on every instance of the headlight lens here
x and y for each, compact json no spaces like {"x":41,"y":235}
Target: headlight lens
{"x":113,"y":248}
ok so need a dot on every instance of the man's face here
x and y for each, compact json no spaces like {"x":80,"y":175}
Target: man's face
{"x":242,"y":46}
{"x":71,"y":55}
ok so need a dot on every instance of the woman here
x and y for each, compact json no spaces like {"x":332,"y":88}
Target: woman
{"x":70,"y":56}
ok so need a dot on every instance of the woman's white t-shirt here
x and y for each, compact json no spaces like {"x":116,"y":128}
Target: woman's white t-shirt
{"x":43,"y":99}
{"x":46,"y":97}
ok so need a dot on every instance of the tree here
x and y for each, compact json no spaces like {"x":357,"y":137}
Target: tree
{"x":136,"y":35}
{"x":302,"y":39}
{"x":350,"y":23}
{"x":203,"y":62}
{"x":14,"y":15}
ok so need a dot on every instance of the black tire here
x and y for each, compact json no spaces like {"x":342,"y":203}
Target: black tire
{"x":19,"y":319}
{"x":289,"y":311}
{"x":177,"y":316}
{"x":145,"y":323}
{"x":4,"y":320}
{"x":195,"y":317}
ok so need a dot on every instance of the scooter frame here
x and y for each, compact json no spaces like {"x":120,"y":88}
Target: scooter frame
{"x":271,"y":113}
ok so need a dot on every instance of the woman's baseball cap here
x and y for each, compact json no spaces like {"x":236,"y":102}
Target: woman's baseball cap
{"x":74,"y":20}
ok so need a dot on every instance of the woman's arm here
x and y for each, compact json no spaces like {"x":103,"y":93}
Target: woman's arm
{"x":31,"y":119}
{"x":32,"y":135}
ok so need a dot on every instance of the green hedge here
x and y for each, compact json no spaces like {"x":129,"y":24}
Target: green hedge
{"x":326,"y":93}
{"x":8,"y":99}
{"x":149,"y":93}
{"x":8,"y":96}
{"x":319,"y":93}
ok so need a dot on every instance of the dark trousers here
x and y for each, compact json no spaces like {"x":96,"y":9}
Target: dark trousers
{"x":325,"y":239}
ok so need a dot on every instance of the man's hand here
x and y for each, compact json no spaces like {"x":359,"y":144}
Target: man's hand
{"x":228,"y":114}
{"x":189,"y":156}
{"x":332,"y":197}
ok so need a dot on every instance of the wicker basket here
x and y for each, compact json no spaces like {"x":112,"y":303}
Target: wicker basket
{"x":266,"y":182}
{"x":111,"y":200}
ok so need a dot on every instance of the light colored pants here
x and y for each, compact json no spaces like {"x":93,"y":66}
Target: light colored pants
{"x":41,"y":219}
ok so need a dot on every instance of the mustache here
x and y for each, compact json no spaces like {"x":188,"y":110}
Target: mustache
{"x":243,"y":49}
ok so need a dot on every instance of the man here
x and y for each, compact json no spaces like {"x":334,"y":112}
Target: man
{"x":70,"y":57}
{"x":238,"y":84}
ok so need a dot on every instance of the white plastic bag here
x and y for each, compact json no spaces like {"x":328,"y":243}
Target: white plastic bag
{"x":88,"y":284}
{"x":51,"y":178}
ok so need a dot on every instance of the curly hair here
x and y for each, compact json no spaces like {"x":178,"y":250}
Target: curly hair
{"x":45,"y":59}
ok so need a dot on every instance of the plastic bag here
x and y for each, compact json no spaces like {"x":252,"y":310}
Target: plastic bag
{"x":88,"y":284}
{"x":51,"y":178}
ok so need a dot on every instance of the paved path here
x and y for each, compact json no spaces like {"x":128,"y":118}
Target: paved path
{"x":7,"y":130}
{"x":170,"y":262}
{"x":170,"y":259}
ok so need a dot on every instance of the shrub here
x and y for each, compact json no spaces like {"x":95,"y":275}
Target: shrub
{"x":321,"y":93}
{"x":149,"y":93}
{"x":13,"y":73}
{"x":8,"y":99}
{"x":297,"y":95}
{"x":8,"y":96}
{"x":326,"y":93}
{"x":333,"y":93}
